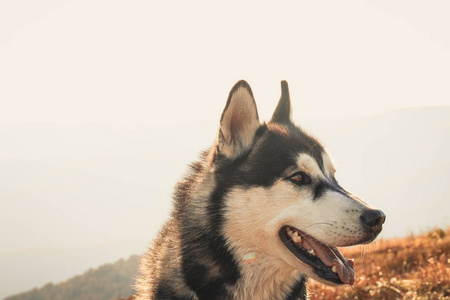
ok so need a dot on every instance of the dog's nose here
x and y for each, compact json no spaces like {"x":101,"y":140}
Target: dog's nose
{"x":373,"y":219}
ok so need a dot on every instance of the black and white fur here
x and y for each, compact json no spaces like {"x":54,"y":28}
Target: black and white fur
{"x":226,"y":236}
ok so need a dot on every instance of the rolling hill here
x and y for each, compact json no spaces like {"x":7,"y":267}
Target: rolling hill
{"x":107,"y":282}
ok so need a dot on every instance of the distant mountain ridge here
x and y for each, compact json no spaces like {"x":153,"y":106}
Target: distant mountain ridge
{"x":107,"y":282}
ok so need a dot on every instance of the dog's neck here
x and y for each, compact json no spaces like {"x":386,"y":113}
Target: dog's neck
{"x":267,"y":278}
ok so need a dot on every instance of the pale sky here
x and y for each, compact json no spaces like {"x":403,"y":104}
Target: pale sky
{"x":163,"y":62}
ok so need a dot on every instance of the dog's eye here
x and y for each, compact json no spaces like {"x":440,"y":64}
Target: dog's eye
{"x":297,"y":177}
{"x":300,"y":178}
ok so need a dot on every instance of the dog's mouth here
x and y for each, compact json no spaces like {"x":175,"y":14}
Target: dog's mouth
{"x":327,"y":262}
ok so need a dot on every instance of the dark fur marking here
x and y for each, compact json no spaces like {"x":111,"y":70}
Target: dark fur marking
{"x":165,"y":292}
{"x":334,"y":186}
{"x":319,"y":190}
{"x":210,"y":249}
{"x":205,"y":288}
{"x":298,"y":291}
{"x":323,"y":186}
{"x":278,"y":150}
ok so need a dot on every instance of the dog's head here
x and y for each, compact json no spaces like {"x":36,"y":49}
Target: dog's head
{"x":282,"y":199}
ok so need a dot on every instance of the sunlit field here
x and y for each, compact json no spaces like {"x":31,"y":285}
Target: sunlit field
{"x":415,"y":267}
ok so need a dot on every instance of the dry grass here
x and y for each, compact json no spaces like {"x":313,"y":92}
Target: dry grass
{"x":416,"y":267}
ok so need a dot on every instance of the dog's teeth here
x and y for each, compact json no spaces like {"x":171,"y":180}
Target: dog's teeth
{"x":289,"y":231}
{"x":334,"y":269}
{"x":312,"y":252}
{"x":295,"y":236}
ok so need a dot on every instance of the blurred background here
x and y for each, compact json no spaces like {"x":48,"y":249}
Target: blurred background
{"x":104,"y":103}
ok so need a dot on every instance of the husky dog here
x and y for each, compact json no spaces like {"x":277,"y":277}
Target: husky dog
{"x":257,"y":215}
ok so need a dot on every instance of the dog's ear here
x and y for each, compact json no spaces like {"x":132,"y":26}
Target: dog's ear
{"x":282,"y":113}
{"x":239,"y":121}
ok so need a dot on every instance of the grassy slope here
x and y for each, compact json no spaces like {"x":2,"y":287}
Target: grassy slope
{"x":415,"y":267}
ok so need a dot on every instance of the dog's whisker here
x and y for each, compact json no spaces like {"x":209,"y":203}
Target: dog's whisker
{"x":363,"y":252}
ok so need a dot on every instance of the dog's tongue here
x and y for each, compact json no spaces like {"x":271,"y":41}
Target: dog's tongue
{"x":331,"y":256}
